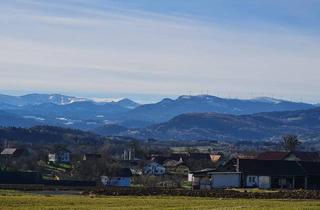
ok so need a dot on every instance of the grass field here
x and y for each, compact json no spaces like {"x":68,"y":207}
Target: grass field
{"x":12,"y":200}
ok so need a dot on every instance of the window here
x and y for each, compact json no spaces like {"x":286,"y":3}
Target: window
{"x":251,"y":179}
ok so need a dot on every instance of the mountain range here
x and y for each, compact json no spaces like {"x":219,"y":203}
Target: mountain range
{"x":254,"y":127}
{"x":169,"y":108}
{"x":186,"y":117}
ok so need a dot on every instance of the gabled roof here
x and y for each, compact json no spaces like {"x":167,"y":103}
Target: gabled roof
{"x":162,"y":159}
{"x":272,"y":155}
{"x":204,"y":171}
{"x":278,"y":167}
{"x":308,"y":156}
{"x":302,"y":156}
{"x":12,"y":151}
{"x":8,"y":151}
{"x":172,"y":163}
{"x":271,"y":167}
{"x":215,"y":158}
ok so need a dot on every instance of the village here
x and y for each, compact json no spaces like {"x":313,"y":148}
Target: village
{"x":201,"y":168}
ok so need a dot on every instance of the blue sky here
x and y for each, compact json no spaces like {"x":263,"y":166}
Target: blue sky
{"x":148,"y":49}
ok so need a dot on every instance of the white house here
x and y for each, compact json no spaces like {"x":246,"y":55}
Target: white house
{"x":154,"y":168}
{"x":60,"y":156}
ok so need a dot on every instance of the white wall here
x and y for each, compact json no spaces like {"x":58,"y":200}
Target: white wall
{"x":264,"y":182}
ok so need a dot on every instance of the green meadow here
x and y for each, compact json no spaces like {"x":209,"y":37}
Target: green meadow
{"x":10,"y":200}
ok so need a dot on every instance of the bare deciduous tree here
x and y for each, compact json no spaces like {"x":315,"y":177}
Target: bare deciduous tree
{"x":291,"y":142}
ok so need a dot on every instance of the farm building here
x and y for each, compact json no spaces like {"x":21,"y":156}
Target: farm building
{"x":279,"y":174}
{"x":289,"y":156}
{"x":176,"y":167}
{"x":211,"y":179}
{"x":13,"y":152}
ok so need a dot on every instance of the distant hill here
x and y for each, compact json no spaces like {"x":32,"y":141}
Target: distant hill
{"x":168,"y":108}
{"x":256,"y":127}
{"x":10,"y":120}
{"x":48,"y":135}
{"x":127,"y":103}
{"x":110,"y":130}
{"x":85,"y":110}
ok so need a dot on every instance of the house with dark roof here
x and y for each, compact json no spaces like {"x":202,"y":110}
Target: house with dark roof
{"x":176,"y":167}
{"x":12,"y":152}
{"x":161,"y":159}
{"x":279,"y":174}
{"x":289,"y":156}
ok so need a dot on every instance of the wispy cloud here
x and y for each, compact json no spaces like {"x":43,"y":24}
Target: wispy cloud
{"x":97,"y":46}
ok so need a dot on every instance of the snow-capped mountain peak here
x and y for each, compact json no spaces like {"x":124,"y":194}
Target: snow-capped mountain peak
{"x":36,"y":99}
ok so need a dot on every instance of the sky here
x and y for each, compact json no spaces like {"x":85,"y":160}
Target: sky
{"x":149,"y":49}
